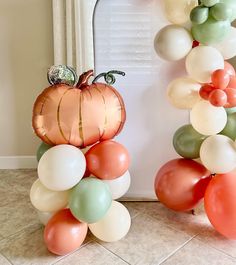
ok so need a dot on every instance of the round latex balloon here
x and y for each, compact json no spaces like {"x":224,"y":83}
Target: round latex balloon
{"x":44,"y":217}
{"x":42,"y":149}
{"x":181,"y":183}
{"x":173,"y":43}
{"x":212,"y":31}
{"x":114,"y":225}
{"x":90,"y":200}
{"x":119,"y":186}
{"x":230,"y":128}
{"x":228,"y":46}
{"x":183,"y":93}
{"x":187,"y":142}
{"x":108,"y":160}
{"x":46,"y":200}
{"x":230,"y":110}
{"x":229,"y":69}
{"x":202,"y":61}
{"x":208,"y":119}
{"x":179,"y":13}
{"x":63,"y":233}
{"x":232,"y":4}
{"x":220,"y":204}
{"x":61,"y":167}
{"x":218,"y":154}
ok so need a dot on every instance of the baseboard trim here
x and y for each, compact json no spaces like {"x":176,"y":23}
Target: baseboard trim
{"x":17,"y":162}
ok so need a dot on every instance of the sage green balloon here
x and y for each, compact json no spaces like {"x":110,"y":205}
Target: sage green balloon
{"x":211,"y":32}
{"x":221,"y":11}
{"x":232,"y":4}
{"x":199,"y":14}
{"x":90,"y":200}
{"x":230,"y":128}
{"x":230,"y":110}
{"x":209,"y":3}
{"x":187,"y":142}
{"x":41,"y":150}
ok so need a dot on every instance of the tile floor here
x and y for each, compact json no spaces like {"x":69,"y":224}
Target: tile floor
{"x":157,"y":235}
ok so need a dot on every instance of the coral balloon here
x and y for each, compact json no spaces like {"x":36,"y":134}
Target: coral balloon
{"x":202,"y":61}
{"x":181,"y":183}
{"x":220,"y":204}
{"x":220,"y":79}
{"x":108,"y":160}
{"x":173,"y":43}
{"x":231,"y":97}
{"x":229,"y":69}
{"x":218,"y":98}
{"x":207,"y":119}
{"x":205,"y":91}
{"x":81,"y":115}
{"x":183,"y":93}
{"x":114,"y":225}
{"x":232,"y":82}
{"x":218,"y":154}
{"x":63,"y":233}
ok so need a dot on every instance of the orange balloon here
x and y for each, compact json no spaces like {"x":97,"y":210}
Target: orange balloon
{"x":229,"y":68}
{"x":220,"y":79}
{"x":181,"y":183}
{"x":107,"y":160}
{"x":232,"y":82}
{"x":218,"y":98}
{"x":63,"y":233}
{"x":231,"y":97}
{"x":220,"y":203}
{"x":81,"y":115}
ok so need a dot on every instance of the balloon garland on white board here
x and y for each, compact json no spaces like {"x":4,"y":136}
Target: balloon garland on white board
{"x":209,"y":92}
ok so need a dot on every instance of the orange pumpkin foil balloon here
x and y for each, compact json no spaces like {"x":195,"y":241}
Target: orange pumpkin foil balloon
{"x":79,"y":115}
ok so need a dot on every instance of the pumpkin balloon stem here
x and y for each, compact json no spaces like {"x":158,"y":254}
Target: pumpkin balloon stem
{"x":83,"y":79}
{"x":109,"y":76}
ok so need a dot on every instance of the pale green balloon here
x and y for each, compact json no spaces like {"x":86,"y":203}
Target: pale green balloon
{"x":211,"y":32}
{"x":90,"y":200}
{"x":232,"y":4}
{"x":221,"y":11}
{"x":199,"y":14}
{"x":230,"y":128}
{"x":209,"y":3}
{"x":42,"y":149}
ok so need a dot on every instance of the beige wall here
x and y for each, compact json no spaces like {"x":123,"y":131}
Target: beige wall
{"x":25,"y":54}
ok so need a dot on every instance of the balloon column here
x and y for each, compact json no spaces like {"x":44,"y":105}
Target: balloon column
{"x":81,"y":170}
{"x":209,"y":92}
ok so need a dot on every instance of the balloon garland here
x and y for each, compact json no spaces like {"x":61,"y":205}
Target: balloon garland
{"x":81,"y":170}
{"x":209,"y":92}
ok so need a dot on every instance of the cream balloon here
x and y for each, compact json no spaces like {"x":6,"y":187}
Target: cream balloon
{"x":228,"y":47}
{"x":178,"y":12}
{"x":44,"y":217}
{"x":173,"y":43}
{"x":218,"y":154}
{"x":202,"y":61}
{"x":119,"y":186}
{"x":114,"y":225}
{"x":208,"y":119}
{"x":183,"y":93}
{"x":47,"y":200}
{"x":61,"y":167}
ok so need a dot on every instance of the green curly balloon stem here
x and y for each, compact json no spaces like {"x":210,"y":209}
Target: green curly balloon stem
{"x":109,"y":76}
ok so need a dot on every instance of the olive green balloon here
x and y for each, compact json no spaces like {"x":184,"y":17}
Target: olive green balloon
{"x":221,"y":11}
{"x":187,"y":142}
{"x":209,"y":3}
{"x":90,"y":200}
{"x":211,"y":32}
{"x":232,"y":5}
{"x":199,"y":14}
{"x":230,"y":110}
{"x":230,"y":128}
{"x":42,"y":149}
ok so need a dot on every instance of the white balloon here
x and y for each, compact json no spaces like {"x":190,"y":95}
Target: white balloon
{"x":228,"y":47}
{"x":218,"y":154}
{"x":183,"y":93}
{"x":178,"y":12}
{"x":61,"y":167}
{"x":119,"y":186}
{"x":202,"y":61}
{"x":114,"y":225}
{"x":44,"y":217}
{"x":173,"y":43}
{"x":47,"y":200}
{"x":208,"y":119}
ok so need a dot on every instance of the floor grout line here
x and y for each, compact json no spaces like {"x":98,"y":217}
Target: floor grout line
{"x":176,"y":250}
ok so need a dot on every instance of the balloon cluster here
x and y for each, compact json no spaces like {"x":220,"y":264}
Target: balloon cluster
{"x":207,"y":169}
{"x":77,"y":187}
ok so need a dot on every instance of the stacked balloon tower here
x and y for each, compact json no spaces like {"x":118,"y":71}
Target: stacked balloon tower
{"x":81,"y":170}
{"x":201,"y":32}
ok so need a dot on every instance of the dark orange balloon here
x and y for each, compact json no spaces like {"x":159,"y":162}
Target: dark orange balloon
{"x":220,"y":203}
{"x":229,"y":68}
{"x":81,"y":115}
{"x":181,"y":183}
{"x":220,"y":79}
{"x":63,"y":233}
{"x":107,"y":160}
